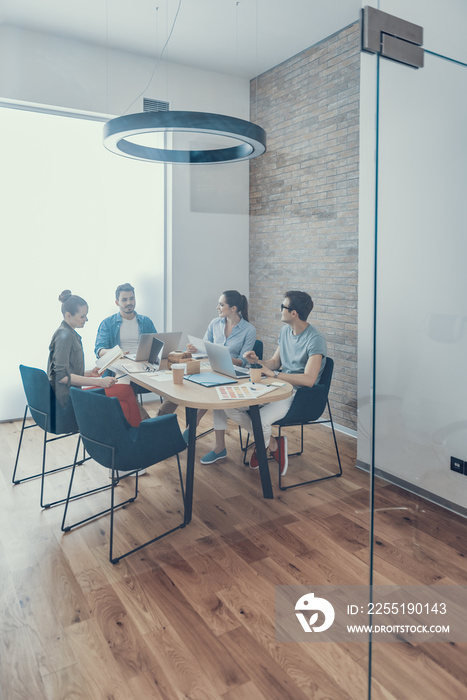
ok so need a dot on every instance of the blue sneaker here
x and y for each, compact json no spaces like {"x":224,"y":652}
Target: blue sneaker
{"x":185,"y":435}
{"x":212,"y":457}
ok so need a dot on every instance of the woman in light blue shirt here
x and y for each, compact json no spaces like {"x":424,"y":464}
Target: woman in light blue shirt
{"x":232,"y":329}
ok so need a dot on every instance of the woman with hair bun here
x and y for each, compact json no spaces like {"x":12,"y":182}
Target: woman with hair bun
{"x":232,"y":329}
{"x":65,"y":367}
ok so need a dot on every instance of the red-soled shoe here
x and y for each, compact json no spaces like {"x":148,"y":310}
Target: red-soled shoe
{"x":254,"y":463}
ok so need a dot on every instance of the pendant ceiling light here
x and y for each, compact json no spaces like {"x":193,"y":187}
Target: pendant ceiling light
{"x":117,"y":133}
{"x":249,"y":140}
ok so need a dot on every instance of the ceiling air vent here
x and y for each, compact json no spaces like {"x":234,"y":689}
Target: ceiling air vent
{"x":154,"y":105}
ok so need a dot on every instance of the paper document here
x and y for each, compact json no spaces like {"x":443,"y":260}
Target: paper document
{"x":243,"y":391}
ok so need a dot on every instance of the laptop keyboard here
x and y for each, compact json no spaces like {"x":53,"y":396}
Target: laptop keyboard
{"x":135,"y":367}
{"x":245,"y":373}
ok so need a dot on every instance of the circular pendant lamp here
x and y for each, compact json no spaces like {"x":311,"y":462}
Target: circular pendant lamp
{"x":118,"y":133}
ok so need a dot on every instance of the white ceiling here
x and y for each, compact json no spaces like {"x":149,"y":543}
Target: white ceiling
{"x":237,"y":37}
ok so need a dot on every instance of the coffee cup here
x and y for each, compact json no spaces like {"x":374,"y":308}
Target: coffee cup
{"x":178,"y":371}
{"x":255,"y":374}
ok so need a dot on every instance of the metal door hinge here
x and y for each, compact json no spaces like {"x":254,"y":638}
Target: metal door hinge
{"x":392,"y":37}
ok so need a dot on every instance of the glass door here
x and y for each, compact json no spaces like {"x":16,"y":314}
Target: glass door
{"x":414,"y":425}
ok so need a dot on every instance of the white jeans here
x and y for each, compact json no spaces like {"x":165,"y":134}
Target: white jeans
{"x":269,"y":413}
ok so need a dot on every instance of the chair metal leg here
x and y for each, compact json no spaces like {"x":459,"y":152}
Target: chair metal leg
{"x":44,"y":454}
{"x":296,"y":454}
{"x":206,"y":432}
{"x":322,"y":478}
{"x":180,"y":476}
{"x":114,"y":481}
{"x":335,"y":441}
{"x":44,"y":472}
{"x":69,"y":497}
{"x":113,"y":506}
{"x":246,"y":447}
{"x":13,"y":478}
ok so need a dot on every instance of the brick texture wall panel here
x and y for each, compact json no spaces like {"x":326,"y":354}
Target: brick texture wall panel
{"x":304,"y":201}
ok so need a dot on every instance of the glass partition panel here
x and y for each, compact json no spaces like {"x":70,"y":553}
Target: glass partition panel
{"x":420,"y":492}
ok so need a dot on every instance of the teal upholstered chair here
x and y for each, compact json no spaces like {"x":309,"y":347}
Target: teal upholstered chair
{"x":48,"y":415}
{"x":110,"y":440}
{"x":258,"y":348}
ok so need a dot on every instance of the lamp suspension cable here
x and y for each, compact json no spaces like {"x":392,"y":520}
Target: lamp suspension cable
{"x":256,"y":60}
{"x":158,"y":60}
{"x":236,"y":55}
{"x":250,"y":138}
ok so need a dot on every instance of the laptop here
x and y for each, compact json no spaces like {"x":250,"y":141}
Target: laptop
{"x":153,"y":362}
{"x":171,"y":342}
{"x":220,"y":360}
{"x":144,"y":348}
{"x":199,"y":344}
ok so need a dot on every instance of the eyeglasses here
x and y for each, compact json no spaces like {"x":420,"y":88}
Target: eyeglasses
{"x":289,"y":308}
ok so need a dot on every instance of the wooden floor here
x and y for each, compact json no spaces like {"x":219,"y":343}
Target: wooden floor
{"x":192,"y":616}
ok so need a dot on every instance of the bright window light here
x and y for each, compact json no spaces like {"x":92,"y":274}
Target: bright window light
{"x":73,"y":216}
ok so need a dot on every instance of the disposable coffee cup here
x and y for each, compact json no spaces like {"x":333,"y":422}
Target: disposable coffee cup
{"x":255,"y":374}
{"x":177,"y":373}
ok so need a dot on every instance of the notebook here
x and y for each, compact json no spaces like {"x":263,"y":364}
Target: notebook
{"x":209,"y":379}
{"x":221,"y":361}
{"x":108,"y":358}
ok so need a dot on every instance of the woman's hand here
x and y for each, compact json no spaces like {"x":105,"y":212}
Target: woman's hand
{"x":191,"y":348}
{"x":107,"y":382}
{"x":94,"y":372}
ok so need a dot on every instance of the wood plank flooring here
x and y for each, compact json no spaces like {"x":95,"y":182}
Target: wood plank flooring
{"x":192,"y":616}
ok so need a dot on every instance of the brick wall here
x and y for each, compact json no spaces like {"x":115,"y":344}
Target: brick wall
{"x":304,"y":201}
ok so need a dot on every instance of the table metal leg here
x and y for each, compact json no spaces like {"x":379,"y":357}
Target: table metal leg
{"x":261,"y":452}
{"x":191,"y":415}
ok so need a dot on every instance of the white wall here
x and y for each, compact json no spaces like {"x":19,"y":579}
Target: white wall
{"x":38,"y":67}
{"x":209,"y":241}
{"x":208,"y":223}
{"x":421,"y":398}
{"x":207,"y":209}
